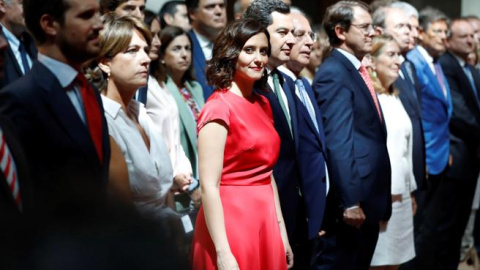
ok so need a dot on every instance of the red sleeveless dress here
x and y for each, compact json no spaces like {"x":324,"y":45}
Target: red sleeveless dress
{"x":251,"y":151}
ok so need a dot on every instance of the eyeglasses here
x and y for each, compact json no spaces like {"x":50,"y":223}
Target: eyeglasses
{"x":301,"y":35}
{"x":365,"y":28}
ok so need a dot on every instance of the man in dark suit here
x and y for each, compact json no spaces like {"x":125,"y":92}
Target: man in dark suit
{"x":355,"y":136}
{"x":461,"y":176}
{"x":395,"y":22}
{"x":275,"y":16}
{"x":208,"y":18}
{"x":310,"y":153}
{"x":58,"y":117}
{"x":21,"y":51}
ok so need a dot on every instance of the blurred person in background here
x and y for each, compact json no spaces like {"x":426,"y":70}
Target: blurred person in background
{"x":320,"y":50}
{"x":134,"y":8}
{"x":174,"y":13}
{"x":208,"y":18}
{"x":21,"y":51}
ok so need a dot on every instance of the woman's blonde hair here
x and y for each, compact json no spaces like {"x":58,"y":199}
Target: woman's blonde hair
{"x":114,"y":39}
{"x":378,"y":43}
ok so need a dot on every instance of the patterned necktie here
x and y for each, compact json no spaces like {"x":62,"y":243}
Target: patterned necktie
{"x":278,"y":93}
{"x":92,"y":113}
{"x":9,"y":171}
{"x":368,"y":81}
{"x":439,"y":75}
{"x":303,"y":98}
{"x":23,"y":56}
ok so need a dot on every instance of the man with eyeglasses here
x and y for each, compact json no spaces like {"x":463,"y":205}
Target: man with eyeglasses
{"x":355,"y":136}
{"x":436,"y":110}
{"x":310,"y":155}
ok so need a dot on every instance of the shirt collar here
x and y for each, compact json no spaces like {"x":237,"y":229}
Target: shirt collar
{"x":113,"y":108}
{"x":425,"y":54}
{"x":202,"y":40}
{"x":64,"y":73}
{"x":287,"y":72}
{"x":13,"y":41}
{"x":354,"y":60}
{"x":401,"y":58}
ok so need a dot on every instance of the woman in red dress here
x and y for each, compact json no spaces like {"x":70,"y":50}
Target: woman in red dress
{"x":240,"y":225}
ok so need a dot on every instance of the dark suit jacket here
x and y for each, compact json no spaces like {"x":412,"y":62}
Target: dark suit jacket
{"x":68,"y":178}
{"x":12,"y":234}
{"x":465,"y":121}
{"x":311,"y":160}
{"x":410,"y":99}
{"x":355,"y":139}
{"x":12,"y":68}
{"x":286,"y":171}
{"x":199,"y":65}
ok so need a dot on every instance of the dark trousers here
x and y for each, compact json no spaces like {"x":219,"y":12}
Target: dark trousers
{"x":345,"y":247}
{"x":443,"y":212}
{"x":301,"y":245}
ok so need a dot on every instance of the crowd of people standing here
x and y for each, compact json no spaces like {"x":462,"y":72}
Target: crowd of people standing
{"x":173,"y":139}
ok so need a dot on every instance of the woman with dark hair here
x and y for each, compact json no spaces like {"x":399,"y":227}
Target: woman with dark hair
{"x":395,"y":242}
{"x":174,"y":74}
{"x":240,"y":225}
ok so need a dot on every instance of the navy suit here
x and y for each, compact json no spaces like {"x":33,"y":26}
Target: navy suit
{"x":358,"y":162}
{"x":286,"y":171}
{"x":199,"y":65}
{"x":410,"y":97}
{"x":12,"y":68}
{"x":69,"y":180}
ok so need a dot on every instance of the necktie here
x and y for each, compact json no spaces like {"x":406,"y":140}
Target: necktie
{"x":23,"y":56}
{"x":439,"y":75}
{"x":469,"y":70}
{"x":92,"y":113}
{"x":9,"y":170}
{"x":278,"y":93}
{"x":408,"y":71}
{"x":303,"y":98}
{"x":368,"y":81}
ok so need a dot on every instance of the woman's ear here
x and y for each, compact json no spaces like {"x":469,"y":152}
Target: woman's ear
{"x":104,"y":65}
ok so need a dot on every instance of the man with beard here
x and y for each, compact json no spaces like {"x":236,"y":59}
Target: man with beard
{"x":21,"y":51}
{"x":58,"y":117}
{"x":355,"y":139}
{"x":208,"y":18}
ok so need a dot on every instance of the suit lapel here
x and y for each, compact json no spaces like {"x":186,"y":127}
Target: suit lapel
{"x":63,"y":111}
{"x":358,"y":81}
{"x":318,"y":114}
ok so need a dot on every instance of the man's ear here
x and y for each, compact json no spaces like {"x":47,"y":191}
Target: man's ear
{"x":168,"y":18}
{"x":340,"y":32}
{"x":421,"y":33}
{"x":379,"y":30}
{"x":49,"y":25}
{"x":3,"y":8}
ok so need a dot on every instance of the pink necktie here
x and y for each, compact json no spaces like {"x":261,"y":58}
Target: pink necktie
{"x":9,"y":170}
{"x":368,"y":81}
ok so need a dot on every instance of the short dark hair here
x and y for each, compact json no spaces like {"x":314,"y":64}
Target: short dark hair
{"x":167,"y":35}
{"x":340,"y":14}
{"x":34,"y":9}
{"x":110,"y":5}
{"x":227,"y":48}
{"x":430,"y":15}
{"x":191,"y":4}
{"x":261,"y":11}
{"x":169,"y":8}
{"x":149,"y":17}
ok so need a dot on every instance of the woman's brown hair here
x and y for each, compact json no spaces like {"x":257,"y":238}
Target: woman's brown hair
{"x":227,"y":47}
